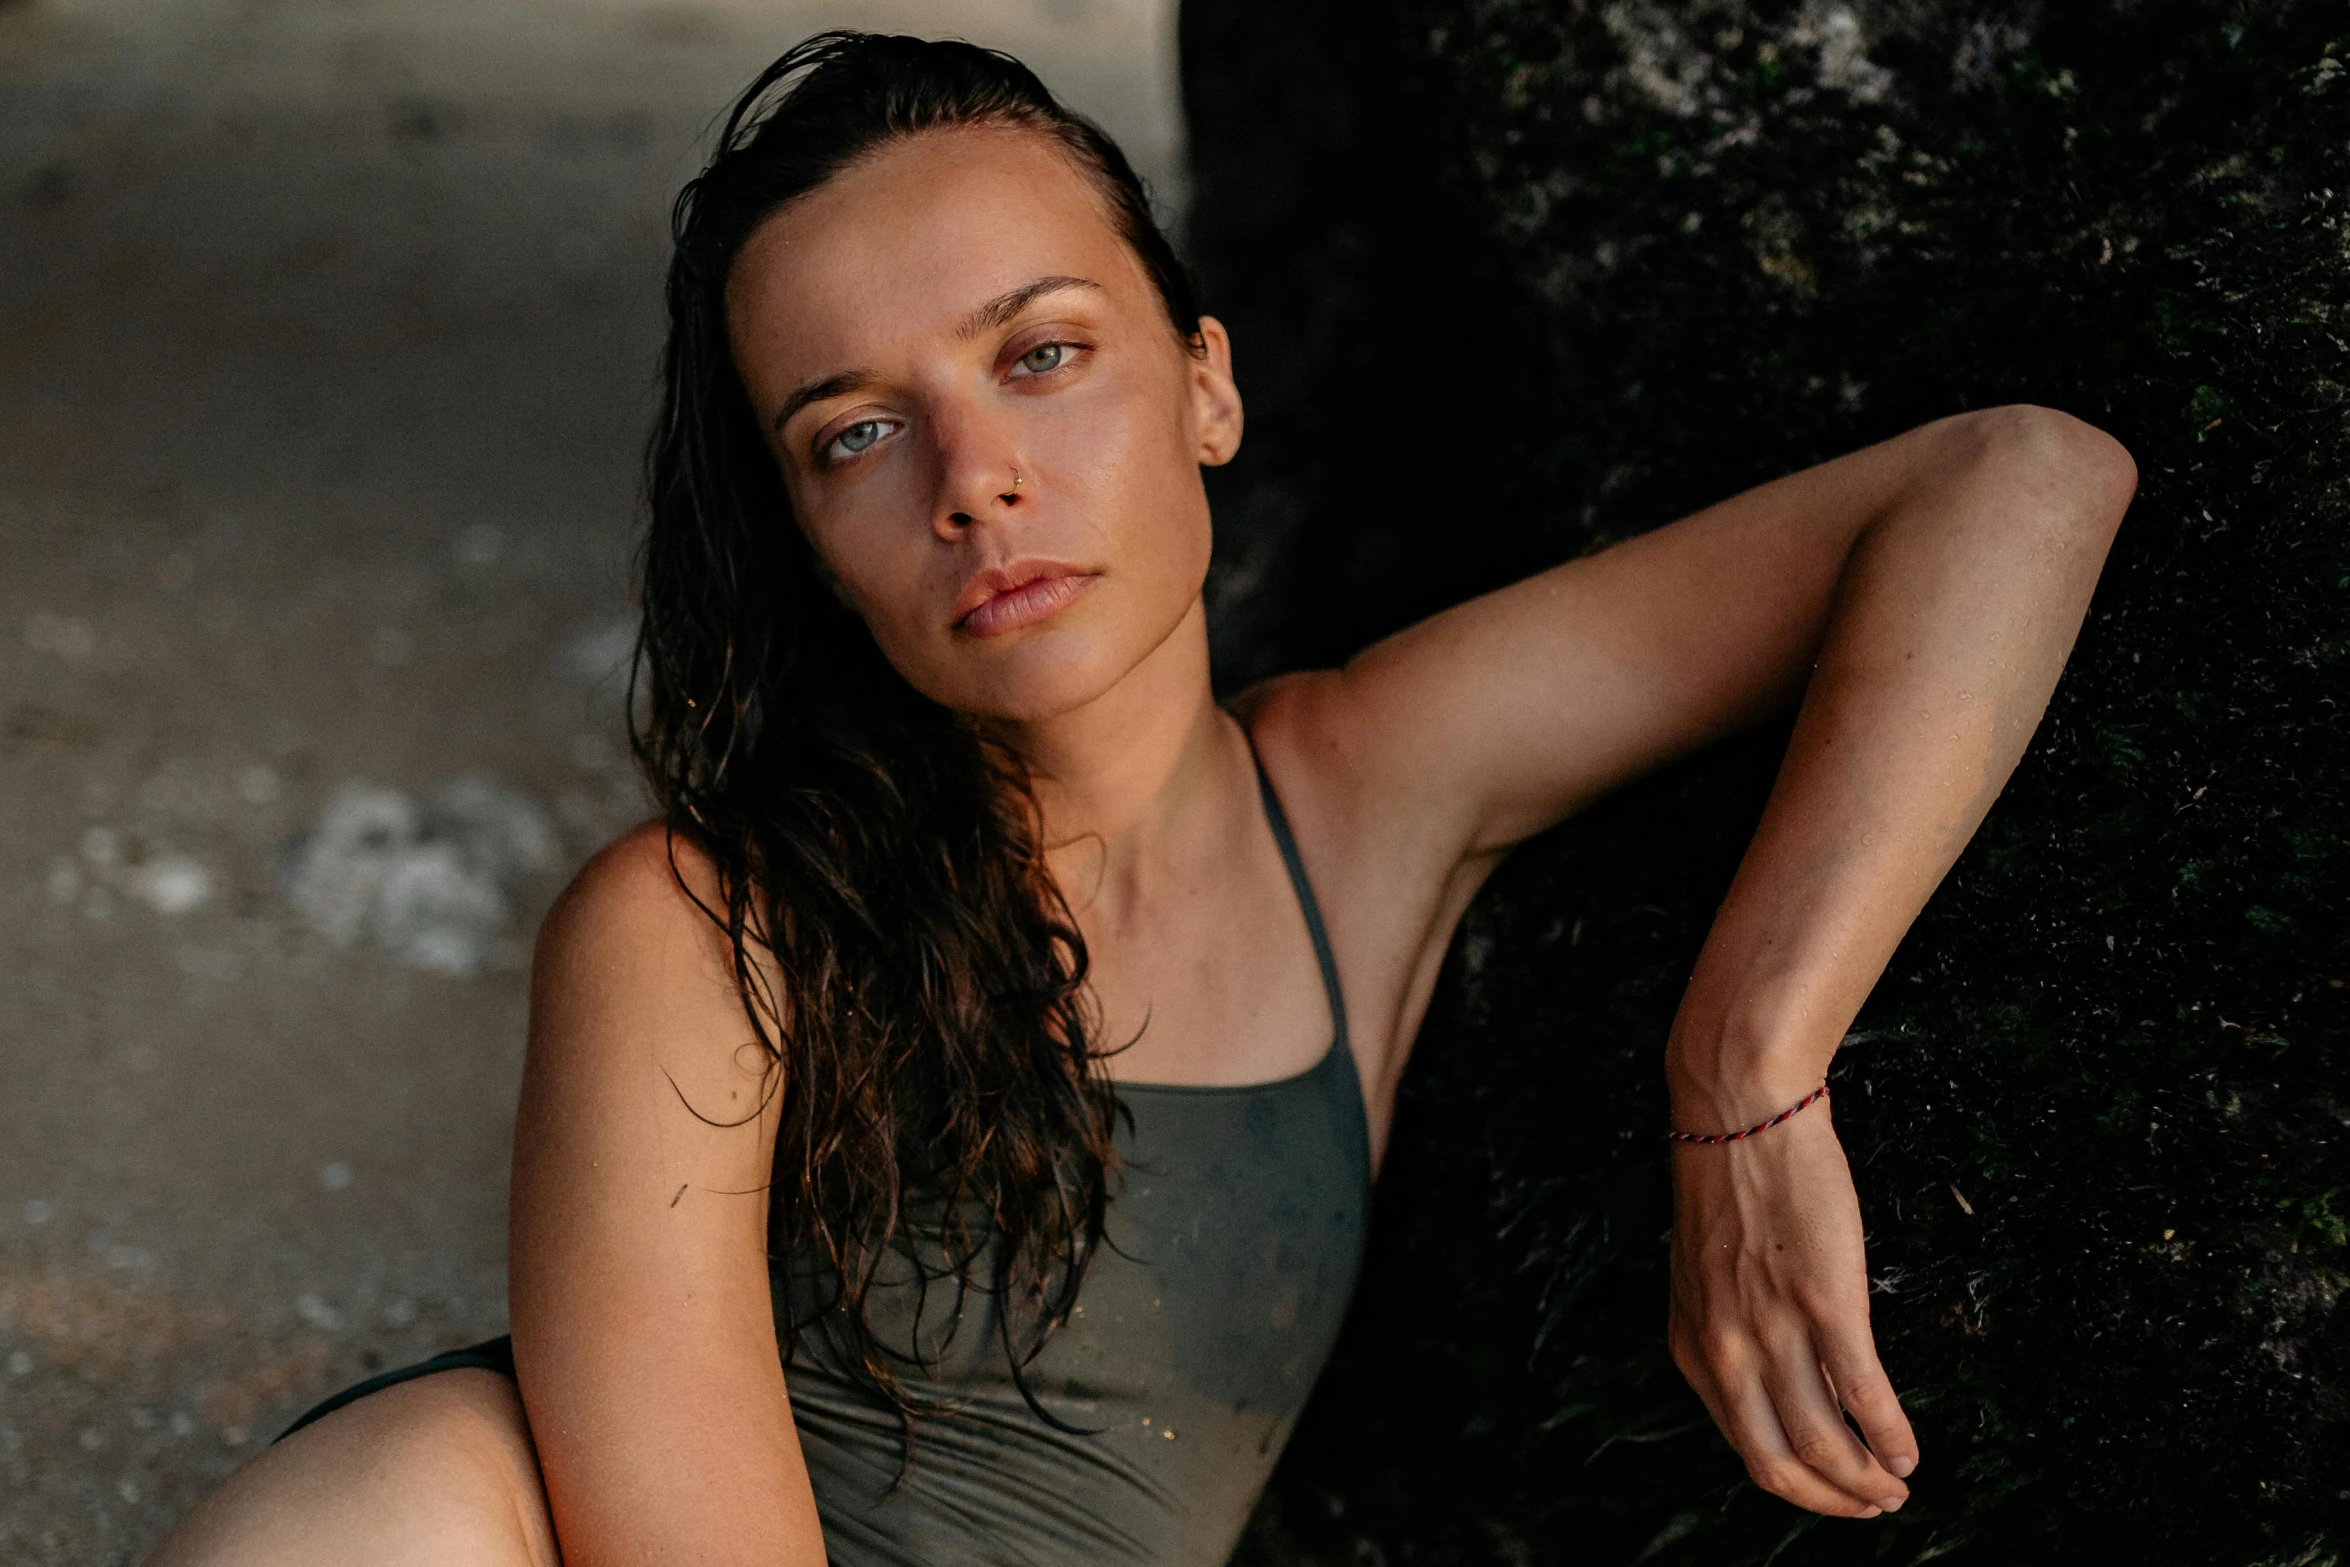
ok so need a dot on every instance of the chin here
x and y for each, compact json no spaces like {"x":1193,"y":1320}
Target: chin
{"x":1032,"y":698}
{"x":1046,"y":678}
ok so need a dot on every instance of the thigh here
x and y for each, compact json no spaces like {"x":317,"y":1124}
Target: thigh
{"x":436,"y":1471}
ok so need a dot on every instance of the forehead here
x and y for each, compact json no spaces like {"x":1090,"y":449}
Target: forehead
{"x":907,"y":240}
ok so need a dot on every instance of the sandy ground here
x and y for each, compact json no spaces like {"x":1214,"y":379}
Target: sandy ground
{"x":326,"y":329}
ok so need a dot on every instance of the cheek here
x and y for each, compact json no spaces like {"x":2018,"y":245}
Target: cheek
{"x":879,"y":571}
{"x":1127,"y":462}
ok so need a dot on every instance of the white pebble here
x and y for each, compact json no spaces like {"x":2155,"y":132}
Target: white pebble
{"x":431,"y":879}
{"x":172,"y":884}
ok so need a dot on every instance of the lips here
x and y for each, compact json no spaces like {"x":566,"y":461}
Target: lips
{"x":1005,"y":598}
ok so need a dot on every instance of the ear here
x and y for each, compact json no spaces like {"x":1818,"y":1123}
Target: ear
{"x":1215,"y":400}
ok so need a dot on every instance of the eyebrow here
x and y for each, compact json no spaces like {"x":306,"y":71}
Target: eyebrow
{"x":988,"y":316}
{"x":817,"y":391}
{"x":1005,"y":306}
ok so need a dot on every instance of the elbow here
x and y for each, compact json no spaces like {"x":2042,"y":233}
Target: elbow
{"x":2088,"y":475}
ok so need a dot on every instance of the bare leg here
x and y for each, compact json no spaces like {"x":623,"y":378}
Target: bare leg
{"x":438,"y":1472}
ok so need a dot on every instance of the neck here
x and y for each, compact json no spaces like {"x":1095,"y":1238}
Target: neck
{"x":1114,"y":779}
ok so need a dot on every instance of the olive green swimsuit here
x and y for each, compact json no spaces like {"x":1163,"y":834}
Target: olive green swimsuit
{"x":1233,"y":1237}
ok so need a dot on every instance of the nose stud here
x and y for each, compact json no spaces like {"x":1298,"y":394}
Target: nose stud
{"x":1015,"y":478}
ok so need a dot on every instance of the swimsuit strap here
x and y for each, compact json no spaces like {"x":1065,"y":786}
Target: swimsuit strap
{"x":1279,"y":821}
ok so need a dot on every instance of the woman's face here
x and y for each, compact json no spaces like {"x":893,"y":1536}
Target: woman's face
{"x":989,"y":430}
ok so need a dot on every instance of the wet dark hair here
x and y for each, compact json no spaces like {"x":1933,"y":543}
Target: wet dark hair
{"x":938,"y":1080}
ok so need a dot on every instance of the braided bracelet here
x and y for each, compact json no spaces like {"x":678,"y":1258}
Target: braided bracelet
{"x":1805,"y":1103}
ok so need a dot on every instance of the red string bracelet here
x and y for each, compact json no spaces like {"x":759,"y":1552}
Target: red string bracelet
{"x":1805,"y":1103}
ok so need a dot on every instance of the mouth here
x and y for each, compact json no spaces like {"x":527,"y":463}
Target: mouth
{"x":1006,"y":598}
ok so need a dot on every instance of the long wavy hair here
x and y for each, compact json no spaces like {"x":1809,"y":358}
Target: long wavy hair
{"x":933,"y":1057}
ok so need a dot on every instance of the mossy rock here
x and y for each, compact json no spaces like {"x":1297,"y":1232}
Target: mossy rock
{"x":1510,"y":279}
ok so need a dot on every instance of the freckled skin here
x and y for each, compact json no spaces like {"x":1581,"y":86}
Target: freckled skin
{"x":1107,"y":444}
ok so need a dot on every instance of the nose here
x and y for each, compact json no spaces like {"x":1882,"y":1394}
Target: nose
{"x":980,"y":477}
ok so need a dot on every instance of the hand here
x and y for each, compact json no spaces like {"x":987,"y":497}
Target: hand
{"x":1770,"y":1317}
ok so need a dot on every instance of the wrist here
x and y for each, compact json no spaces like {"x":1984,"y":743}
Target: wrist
{"x":1740,"y":1134}
{"x":1722,"y":1077}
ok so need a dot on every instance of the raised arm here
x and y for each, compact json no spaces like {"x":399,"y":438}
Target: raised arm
{"x":1920,"y":597}
{"x":644,"y":1340}
{"x":1953,"y":617}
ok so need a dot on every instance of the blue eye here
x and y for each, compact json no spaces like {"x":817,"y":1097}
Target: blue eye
{"x":1043,"y":357}
{"x":857,"y":437}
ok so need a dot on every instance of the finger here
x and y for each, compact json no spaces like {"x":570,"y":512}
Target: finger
{"x":1754,"y":1429}
{"x":1850,"y":1356}
{"x":1701,"y":1381}
{"x":1816,"y":1432}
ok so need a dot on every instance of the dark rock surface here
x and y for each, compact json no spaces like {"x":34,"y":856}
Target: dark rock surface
{"x":1513,"y":278}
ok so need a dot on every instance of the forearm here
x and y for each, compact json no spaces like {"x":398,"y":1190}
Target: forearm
{"x":1952,"y":619}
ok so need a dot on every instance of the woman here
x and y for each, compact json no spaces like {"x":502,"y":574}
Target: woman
{"x":946,"y":1134}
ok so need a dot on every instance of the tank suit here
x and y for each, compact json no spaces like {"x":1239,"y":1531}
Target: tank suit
{"x":1234,"y":1233}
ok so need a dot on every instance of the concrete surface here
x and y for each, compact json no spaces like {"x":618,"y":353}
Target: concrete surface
{"x":326,"y":330}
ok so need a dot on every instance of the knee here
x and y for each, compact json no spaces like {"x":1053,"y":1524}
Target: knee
{"x":439,"y":1470}
{"x":462,"y":1428}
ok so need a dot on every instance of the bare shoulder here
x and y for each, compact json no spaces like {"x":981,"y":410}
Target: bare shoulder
{"x":1298,"y":716}
{"x":1374,"y":835}
{"x":646,"y":880}
{"x":648,"y":902}
{"x":633,"y":958}
{"x":1339,"y":744}
{"x":1307,"y":726}
{"x":1300,"y":742}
